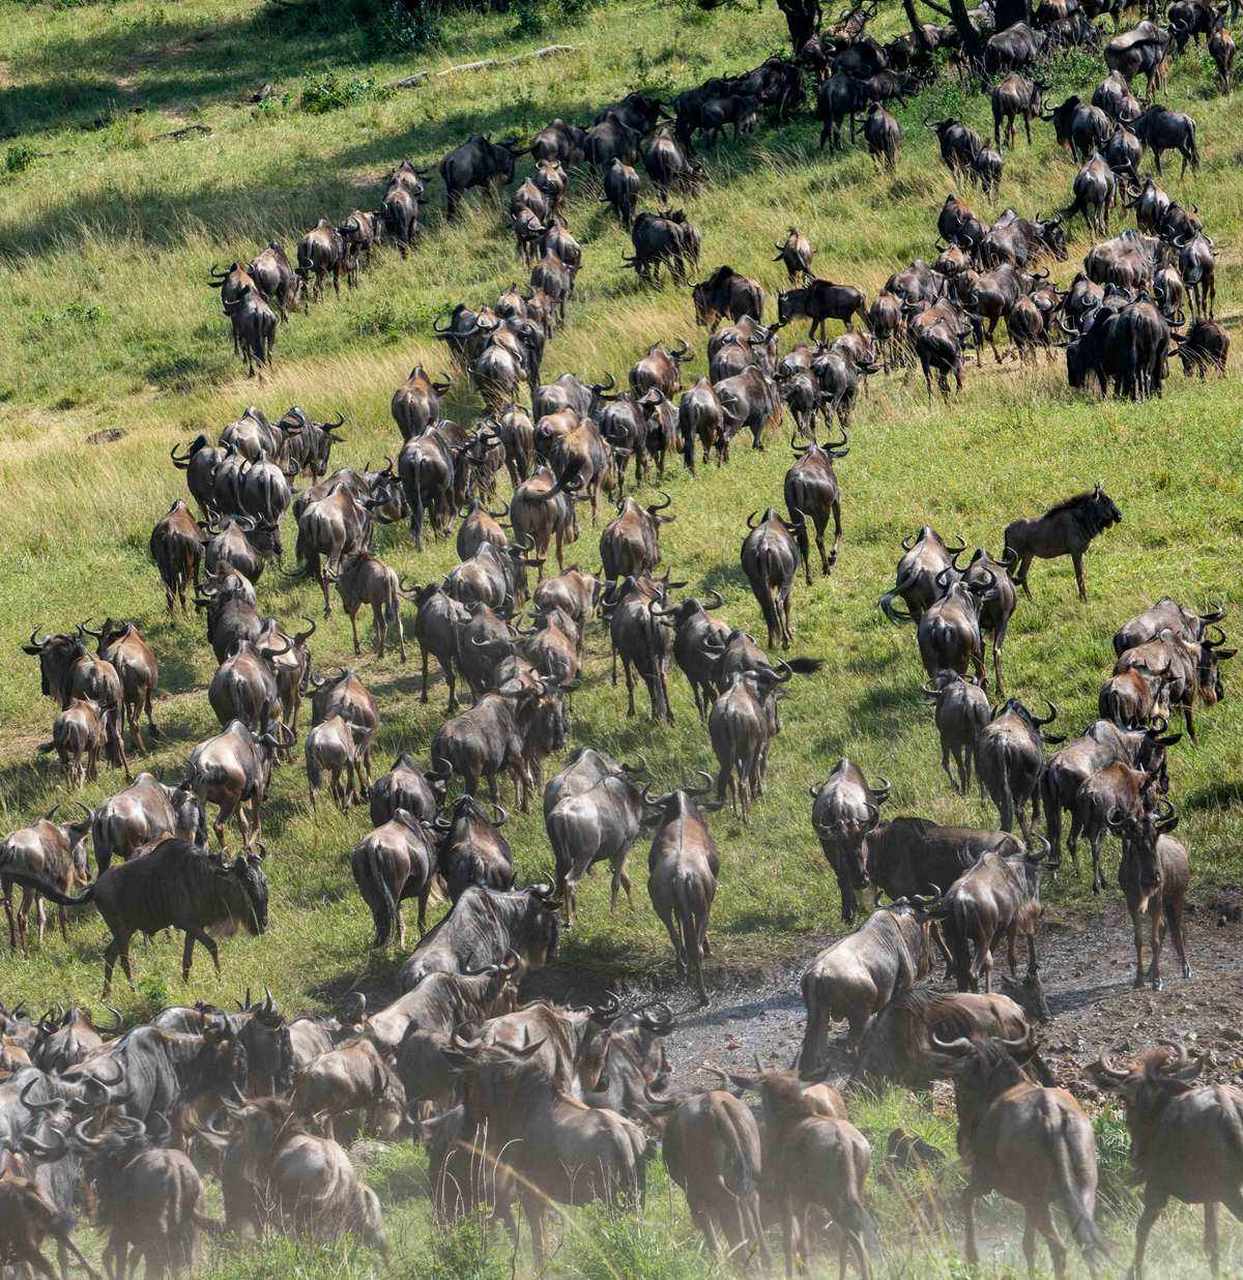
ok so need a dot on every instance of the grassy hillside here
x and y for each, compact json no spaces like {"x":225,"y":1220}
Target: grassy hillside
{"x":107,"y":231}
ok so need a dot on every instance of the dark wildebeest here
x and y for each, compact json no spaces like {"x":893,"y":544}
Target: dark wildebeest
{"x":698,"y":644}
{"x":856,"y":976}
{"x":770,"y":559}
{"x":811,"y":490}
{"x":477,"y":162}
{"x":67,"y":670}
{"x":727,"y":295}
{"x":416,"y":403}
{"x":844,"y":809}
{"x":701,"y":420}
{"x":1184,"y":1139}
{"x":177,"y":549}
{"x":471,"y":849}
{"x":1079,"y":125}
{"x":636,"y":636}
{"x":1032,"y":1144}
{"x":937,"y":334}
{"x":959,"y":144}
{"x":948,"y":633}
{"x":482,"y":929}
{"x":925,"y":557}
{"x":1161,"y":130}
{"x":1187,"y":670}
{"x":1065,"y":529}
{"x":1206,"y":345}
{"x":898,"y":1043}
{"x":741,"y":724}
{"x":1141,"y":51}
{"x":682,"y":877}
{"x":821,"y":301}
{"x":593,"y":811}
{"x":122,"y":645}
{"x":883,"y":135}
{"x":621,"y":190}
{"x":748,"y":399}
{"x":1167,"y":613}
{"x":630,"y":544}
{"x":997,"y":898}
{"x":795,"y":253}
{"x":321,"y":252}
{"x":1009,"y":758}
{"x":962,"y":711}
{"x":1107,"y":797}
{"x":175,"y":886}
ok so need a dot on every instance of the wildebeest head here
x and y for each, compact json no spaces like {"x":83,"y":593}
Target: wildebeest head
{"x":243,"y":887}
{"x":56,"y":654}
{"x":1140,"y":834}
{"x":1208,"y":673}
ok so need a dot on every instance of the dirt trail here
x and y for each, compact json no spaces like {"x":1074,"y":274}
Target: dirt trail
{"x":1087,"y":964}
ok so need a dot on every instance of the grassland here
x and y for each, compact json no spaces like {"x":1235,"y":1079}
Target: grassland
{"x":105,"y":242}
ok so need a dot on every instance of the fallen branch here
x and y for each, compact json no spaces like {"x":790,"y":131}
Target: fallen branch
{"x":179,"y":135}
{"x":484,"y":64}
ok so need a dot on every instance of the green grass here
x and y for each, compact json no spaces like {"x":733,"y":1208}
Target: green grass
{"x":107,"y":232}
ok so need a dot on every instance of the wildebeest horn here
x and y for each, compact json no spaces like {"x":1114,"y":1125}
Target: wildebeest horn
{"x":660,"y":506}
{"x":46,"y":1105}
{"x":1049,"y":719}
{"x":1104,"y":1066}
{"x":717,"y":602}
{"x":955,"y":1047}
{"x":700,"y":791}
{"x":37,"y":641}
{"x":881,"y":794}
{"x":909,"y":541}
{"x":752,"y":520}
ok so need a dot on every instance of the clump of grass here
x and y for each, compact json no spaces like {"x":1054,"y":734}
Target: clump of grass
{"x":331,"y":92}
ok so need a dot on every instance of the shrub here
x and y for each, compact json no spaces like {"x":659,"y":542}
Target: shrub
{"x":331,"y":91}
{"x":19,"y":157}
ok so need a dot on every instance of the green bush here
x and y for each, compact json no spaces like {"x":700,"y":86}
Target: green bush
{"x":331,"y":91}
{"x":19,"y":157}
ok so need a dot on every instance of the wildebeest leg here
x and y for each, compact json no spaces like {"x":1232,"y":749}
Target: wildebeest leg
{"x":968,"y":1212}
{"x":1137,"y":924}
{"x":323,"y":586}
{"x":1154,"y":1202}
{"x":1076,"y":558}
{"x":423,"y":694}
{"x":837,"y":537}
{"x":620,"y":878}
{"x":1173,"y":908}
{"x":629,"y":683}
{"x":1156,"y":930}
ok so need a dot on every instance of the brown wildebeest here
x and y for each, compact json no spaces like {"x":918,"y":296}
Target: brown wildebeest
{"x":80,"y":733}
{"x":817,"y":1161}
{"x":123,"y":645}
{"x":1066,"y":529}
{"x":27,"y":1218}
{"x":924,"y":555}
{"x":727,"y":295}
{"x":1032,"y":1144}
{"x":795,"y":253}
{"x":1185,"y":1142}
{"x":682,"y":877}
{"x":1009,"y":759}
{"x":1189,"y":671}
{"x":1154,"y":874}
{"x":365,"y":579}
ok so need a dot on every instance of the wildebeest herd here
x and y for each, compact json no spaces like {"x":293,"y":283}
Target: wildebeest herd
{"x":521,"y":1104}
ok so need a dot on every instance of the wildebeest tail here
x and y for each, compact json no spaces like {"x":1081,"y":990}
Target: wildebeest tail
{"x":734,"y":1157}
{"x":32,"y":880}
{"x":686,"y":913}
{"x":1082,"y":1227}
{"x":378,"y":893}
{"x":804,"y":666}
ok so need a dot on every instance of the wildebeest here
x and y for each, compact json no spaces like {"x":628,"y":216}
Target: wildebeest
{"x":1206,"y":345}
{"x":683,"y":866}
{"x":593,"y":810}
{"x":471,"y":849}
{"x":477,"y":162}
{"x":925,"y":556}
{"x":999,"y":897}
{"x":1184,"y":1143}
{"x":1141,"y":51}
{"x":1033,"y":1144}
{"x":937,"y":334}
{"x":883,"y":135}
{"x":795,"y":253}
{"x":177,"y":549}
{"x":176,"y":885}
{"x":482,"y":929}
{"x":741,"y":724}
{"x":81,"y":732}
{"x":727,"y":295}
{"x":770,"y":559}
{"x":1161,"y":130}
{"x":961,"y":712}
{"x":636,"y":636}
{"x":811,"y":489}
{"x":665,"y":239}
{"x":844,"y":809}
{"x":630,"y":544}
{"x":139,"y":815}
{"x":1188,"y":670}
{"x":332,"y":748}
{"x":1065,"y":529}
{"x":701,"y":420}
{"x":856,"y":976}
{"x":67,"y":670}
{"x":959,"y":143}
{"x":321,"y":252}
{"x":49,"y":851}
{"x":898,"y":1044}
{"x":621,"y":190}
{"x":948,"y":632}
{"x":233,"y":770}
{"x":1222,"y":50}
{"x":1013,"y":97}
{"x":365,"y":579}
{"x":821,"y":301}
{"x":1009,"y":758}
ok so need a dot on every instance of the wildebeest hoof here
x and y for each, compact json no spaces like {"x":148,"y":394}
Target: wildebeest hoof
{"x":1158,"y":984}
